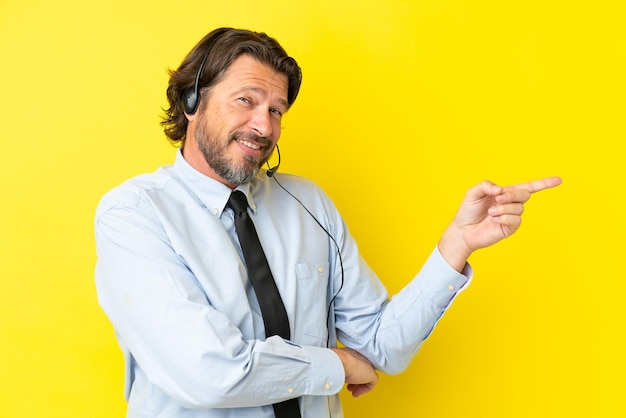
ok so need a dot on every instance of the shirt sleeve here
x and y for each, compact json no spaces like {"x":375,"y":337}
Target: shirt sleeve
{"x":390,"y":331}
{"x":182,"y":344}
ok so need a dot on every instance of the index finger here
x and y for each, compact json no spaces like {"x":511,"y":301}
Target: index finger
{"x":536,"y":185}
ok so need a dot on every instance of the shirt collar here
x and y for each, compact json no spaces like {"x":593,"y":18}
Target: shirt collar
{"x":212,"y":193}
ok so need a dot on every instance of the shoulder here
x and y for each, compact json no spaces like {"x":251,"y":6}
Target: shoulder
{"x":281,"y":183}
{"x":298,"y":183}
{"x":132,"y":193}
{"x":293,"y":191}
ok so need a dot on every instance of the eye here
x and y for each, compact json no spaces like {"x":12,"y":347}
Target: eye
{"x":276,"y":112}
{"x":244,"y":100}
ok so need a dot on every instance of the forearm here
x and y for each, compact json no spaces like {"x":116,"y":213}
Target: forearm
{"x":202,"y":361}
{"x":391,"y":338}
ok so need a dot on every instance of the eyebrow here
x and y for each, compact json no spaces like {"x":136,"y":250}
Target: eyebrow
{"x":262,"y":92}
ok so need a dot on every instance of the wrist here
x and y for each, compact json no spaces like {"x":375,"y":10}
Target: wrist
{"x":340,"y":352}
{"x":453,"y":249}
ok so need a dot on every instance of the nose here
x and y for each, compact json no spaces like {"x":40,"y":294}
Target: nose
{"x":261,"y":122}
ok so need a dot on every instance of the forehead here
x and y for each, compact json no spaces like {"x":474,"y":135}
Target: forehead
{"x":247,"y":72}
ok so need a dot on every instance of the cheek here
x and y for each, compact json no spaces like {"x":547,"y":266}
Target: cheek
{"x":234,"y":121}
{"x":276,"y":129}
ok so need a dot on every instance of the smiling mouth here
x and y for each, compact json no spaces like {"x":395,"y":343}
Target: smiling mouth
{"x":249,"y":144}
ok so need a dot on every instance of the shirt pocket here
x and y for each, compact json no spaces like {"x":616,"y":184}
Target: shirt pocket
{"x":312,"y":308}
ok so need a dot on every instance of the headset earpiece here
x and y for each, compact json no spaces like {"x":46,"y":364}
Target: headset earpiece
{"x":191,"y":98}
{"x":190,"y":101}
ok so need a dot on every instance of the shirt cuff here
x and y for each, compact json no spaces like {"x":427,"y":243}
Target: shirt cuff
{"x":444,"y":282}
{"x":327,"y":374}
{"x":435,"y":286}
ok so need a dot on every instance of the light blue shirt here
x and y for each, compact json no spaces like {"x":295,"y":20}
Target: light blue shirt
{"x":171,"y":279}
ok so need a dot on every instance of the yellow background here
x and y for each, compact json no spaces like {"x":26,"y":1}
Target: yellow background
{"x":422,"y":98}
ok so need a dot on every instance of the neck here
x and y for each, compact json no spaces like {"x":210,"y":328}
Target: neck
{"x":194,"y":157}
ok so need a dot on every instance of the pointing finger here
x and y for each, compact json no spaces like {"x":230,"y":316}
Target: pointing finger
{"x":536,"y":185}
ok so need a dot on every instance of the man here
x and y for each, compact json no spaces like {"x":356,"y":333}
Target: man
{"x":172,"y":274}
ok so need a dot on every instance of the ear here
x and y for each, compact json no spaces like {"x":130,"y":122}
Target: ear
{"x":190,"y":117}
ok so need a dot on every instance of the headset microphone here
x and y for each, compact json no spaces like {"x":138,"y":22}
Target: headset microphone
{"x":271,"y":171}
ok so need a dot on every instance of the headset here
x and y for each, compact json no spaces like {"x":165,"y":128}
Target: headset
{"x":191,"y":97}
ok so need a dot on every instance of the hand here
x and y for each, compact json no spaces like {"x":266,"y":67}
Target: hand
{"x":488,"y":214}
{"x":360,"y":375}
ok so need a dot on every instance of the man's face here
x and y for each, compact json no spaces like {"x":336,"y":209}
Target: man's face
{"x":236,"y":132}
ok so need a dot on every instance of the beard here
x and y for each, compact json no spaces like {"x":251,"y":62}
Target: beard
{"x":214,"y":151}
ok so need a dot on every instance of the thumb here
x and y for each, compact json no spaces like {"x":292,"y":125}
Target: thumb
{"x":485,"y":188}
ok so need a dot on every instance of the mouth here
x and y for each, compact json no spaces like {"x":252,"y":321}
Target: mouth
{"x":249,"y":144}
{"x":253,"y":146}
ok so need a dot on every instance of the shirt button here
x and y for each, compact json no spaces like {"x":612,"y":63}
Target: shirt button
{"x":215,"y":212}
{"x":290,"y":390}
{"x":327,"y":386}
{"x":451,"y":287}
{"x":320,"y":269}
